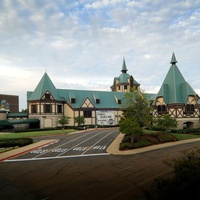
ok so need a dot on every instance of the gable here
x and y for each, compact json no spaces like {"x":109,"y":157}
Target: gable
{"x":87,"y":104}
{"x":47,"y":96}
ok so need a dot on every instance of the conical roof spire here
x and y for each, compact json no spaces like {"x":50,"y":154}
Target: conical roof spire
{"x":173,"y":60}
{"x":175,"y":89}
{"x":124,"y":69}
{"x":44,"y":85}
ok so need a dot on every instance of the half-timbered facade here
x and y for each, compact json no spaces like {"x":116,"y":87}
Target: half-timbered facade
{"x":177,"y":97}
{"x":49,"y":104}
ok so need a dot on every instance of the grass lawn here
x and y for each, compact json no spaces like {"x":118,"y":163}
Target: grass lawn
{"x":178,"y":136}
{"x":35,"y":134}
{"x":184,"y":136}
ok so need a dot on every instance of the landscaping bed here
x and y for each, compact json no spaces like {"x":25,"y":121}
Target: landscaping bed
{"x":146,"y":140}
{"x":9,"y":144}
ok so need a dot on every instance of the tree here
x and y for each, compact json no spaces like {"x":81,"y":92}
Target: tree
{"x":130,"y":127}
{"x":136,"y":114}
{"x":184,"y":181}
{"x":166,"y":122}
{"x":64,"y":120}
{"x":79,"y":120}
{"x":24,"y":111}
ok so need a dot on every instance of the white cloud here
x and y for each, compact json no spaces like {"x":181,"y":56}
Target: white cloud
{"x":81,"y":44}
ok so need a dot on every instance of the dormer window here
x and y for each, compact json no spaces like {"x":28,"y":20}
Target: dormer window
{"x":97,"y":101}
{"x":119,"y":101}
{"x":73,"y":100}
{"x":96,"y":98}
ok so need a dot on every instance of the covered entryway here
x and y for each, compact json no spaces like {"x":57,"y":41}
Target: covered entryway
{"x":188,"y":124}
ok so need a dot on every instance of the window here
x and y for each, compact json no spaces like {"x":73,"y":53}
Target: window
{"x":125,"y":87}
{"x":47,"y":108}
{"x":73,"y":100}
{"x":33,"y":108}
{"x":119,"y":87}
{"x":59,"y":108}
{"x":162,"y":109}
{"x":131,"y":81}
{"x":87,"y":114}
{"x":98,"y":101}
{"x":47,"y":96}
{"x":119,"y":101}
{"x":189,"y":108}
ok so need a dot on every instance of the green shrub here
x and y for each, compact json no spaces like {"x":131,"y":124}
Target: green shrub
{"x":20,"y":142}
{"x":152,"y":139}
{"x":187,"y":130}
{"x":126,"y":138}
{"x":140,"y":143}
{"x":165,"y":137}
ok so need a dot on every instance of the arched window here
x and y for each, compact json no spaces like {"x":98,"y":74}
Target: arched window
{"x":161,"y":109}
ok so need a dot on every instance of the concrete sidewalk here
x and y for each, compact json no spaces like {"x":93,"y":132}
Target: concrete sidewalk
{"x":19,"y":151}
{"x":113,"y":149}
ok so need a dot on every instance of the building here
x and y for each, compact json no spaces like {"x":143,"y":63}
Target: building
{"x":124,"y":82}
{"x":9,"y":101}
{"x":175,"y":97}
{"x":9,"y":113}
{"x":49,"y":104}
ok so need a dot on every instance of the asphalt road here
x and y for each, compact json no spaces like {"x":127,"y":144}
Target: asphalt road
{"x":87,"y":143}
{"x":78,"y":168}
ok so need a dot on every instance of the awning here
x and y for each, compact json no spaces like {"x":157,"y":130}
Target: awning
{"x":24,"y":121}
{"x":5,"y":123}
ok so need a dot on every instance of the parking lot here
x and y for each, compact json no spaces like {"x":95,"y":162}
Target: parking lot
{"x":92,"y":142}
{"x":77,"y":167}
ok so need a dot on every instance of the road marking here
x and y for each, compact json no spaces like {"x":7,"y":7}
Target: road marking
{"x":79,"y":148}
{"x":97,"y":142}
{"x":100,"y":147}
{"x":82,"y":142}
{"x":85,"y":134}
{"x":60,"y":157}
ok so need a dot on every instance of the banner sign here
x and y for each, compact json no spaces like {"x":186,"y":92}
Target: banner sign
{"x":105,"y":117}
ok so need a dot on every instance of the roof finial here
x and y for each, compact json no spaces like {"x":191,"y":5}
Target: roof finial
{"x":173,"y":60}
{"x":124,"y":69}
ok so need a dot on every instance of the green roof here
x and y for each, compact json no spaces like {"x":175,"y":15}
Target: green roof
{"x":124,"y":76}
{"x":174,"y":88}
{"x":99,"y":99}
{"x":43,"y":86}
{"x":107,"y":99}
{"x":124,"y":69}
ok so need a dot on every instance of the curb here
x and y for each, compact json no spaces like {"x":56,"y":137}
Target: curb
{"x":113,"y":149}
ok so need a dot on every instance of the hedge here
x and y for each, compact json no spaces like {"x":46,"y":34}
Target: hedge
{"x":20,"y":142}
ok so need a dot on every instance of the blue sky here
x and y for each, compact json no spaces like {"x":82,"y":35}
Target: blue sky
{"x":81,"y":44}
